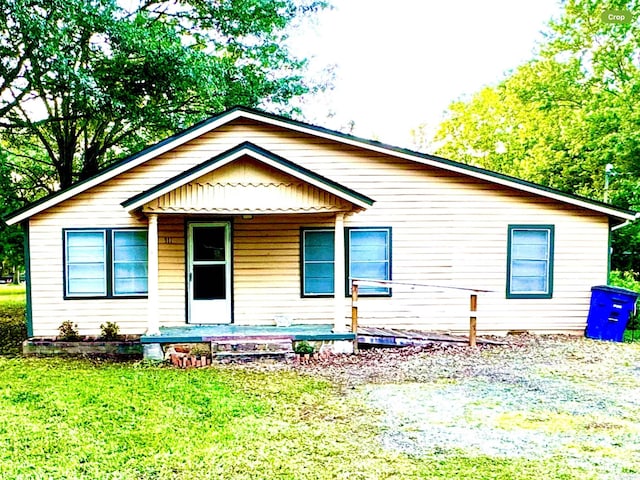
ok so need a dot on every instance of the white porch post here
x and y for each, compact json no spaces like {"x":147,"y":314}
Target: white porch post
{"x":338,"y":275}
{"x":153,"y":321}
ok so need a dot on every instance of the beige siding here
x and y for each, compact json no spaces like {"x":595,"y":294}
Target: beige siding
{"x":446,"y":230}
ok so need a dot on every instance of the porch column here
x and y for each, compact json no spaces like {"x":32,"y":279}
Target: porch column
{"x":338,"y":275}
{"x":153,"y":321}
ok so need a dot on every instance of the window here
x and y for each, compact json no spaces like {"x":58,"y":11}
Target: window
{"x":530,"y":261}
{"x":129,"y":262}
{"x":105,"y":263}
{"x":86,"y":263}
{"x":369,"y":251}
{"x":317,"y":255}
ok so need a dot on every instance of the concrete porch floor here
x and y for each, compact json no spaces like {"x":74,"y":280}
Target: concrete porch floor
{"x":207,"y":333}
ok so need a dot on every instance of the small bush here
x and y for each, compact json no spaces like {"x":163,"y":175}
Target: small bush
{"x":628,"y":280}
{"x":303,"y":348}
{"x":199,"y":350}
{"x":68,"y":331}
{"x":109,"y":331}
{"x":13,"y":328}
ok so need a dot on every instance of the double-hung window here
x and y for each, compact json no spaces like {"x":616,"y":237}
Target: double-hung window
{"x":318,"y":253}
{"x":530,"y":261}
{"x":368,"y":251}
{"x":105,"y":263}
{"x":369,"y":257}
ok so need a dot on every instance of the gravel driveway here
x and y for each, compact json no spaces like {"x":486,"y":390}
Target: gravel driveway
{"x":537,"y":396}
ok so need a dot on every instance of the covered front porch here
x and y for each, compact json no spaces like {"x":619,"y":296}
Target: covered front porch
{"x":224,"y":249}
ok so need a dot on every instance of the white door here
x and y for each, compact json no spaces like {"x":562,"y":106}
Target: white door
{"x":209,"y":272}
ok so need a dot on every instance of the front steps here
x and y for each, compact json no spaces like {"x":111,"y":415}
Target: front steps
{"x":252,"y":348}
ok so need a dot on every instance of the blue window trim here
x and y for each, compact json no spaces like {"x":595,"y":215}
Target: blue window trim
{"x":303,"y":231}
{"x":109,"y":277}
{"x":550,"y":265}
{"x":347,"y":237}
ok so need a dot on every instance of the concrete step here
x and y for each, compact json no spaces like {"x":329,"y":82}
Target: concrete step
{"x":247,"y":349}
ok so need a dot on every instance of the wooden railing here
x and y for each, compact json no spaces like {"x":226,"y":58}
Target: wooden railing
{"x":358,"y":282}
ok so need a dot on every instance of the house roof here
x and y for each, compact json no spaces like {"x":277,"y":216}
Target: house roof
{"x":617,"y":214}
{"x":257,"y":153}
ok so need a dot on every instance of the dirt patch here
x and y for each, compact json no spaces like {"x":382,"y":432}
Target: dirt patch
{"x":563,"y":397}
{"x":569,"y":399}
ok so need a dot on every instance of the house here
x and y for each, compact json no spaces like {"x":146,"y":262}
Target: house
{"x":250,"y":218}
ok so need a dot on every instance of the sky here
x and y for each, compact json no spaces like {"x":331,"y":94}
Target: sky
{"x":399,"y":64}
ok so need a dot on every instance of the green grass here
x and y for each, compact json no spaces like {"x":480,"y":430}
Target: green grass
{"x":13,"y":328}
{"x":12,"y":293}
{"x":83,"y":420}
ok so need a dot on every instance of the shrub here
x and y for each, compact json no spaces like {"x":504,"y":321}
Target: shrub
{"x":628,"y":280}
{"x":13,"y":328}
{"x":303,"y":347}
{"x":109,"y":331}
{"x":68,"y":331}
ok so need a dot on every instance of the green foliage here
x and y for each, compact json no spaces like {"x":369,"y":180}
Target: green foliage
{"x":200,"y":349}
{"x":303,"y":348}
{"x":109,"y":77}
{"x":81,"y":419}
{"x":630,"y":281}
{"x":109,"y":331}
{"x":68,"y":331}
{"x":560,"y":118}
{"x":13,"y":326}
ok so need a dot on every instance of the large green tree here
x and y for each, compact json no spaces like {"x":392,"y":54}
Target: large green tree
{"x":83,"y":82}
{"x":562,"y":117}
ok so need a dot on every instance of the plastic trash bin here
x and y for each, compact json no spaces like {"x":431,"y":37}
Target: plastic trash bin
{"x":609,"y":312}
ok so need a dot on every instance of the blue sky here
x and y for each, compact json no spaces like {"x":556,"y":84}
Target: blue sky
{"x":400,"y":64}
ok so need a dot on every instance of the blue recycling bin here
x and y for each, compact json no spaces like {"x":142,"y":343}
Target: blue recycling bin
{"x":609,"y":312}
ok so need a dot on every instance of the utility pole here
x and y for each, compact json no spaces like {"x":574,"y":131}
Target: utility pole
{"x":608,"y":172}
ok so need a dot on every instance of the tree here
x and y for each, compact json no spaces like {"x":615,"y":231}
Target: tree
{"x":562,"y":117}
{"x":83,"y":82}
{"x":11,"y":238}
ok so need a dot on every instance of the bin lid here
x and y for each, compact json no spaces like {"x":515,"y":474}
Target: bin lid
{"x":620,"y":290}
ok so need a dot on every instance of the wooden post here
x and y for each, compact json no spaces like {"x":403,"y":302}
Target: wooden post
{"x":473,"y":303}
{"x":339,"y":283}
{"x":354,"y":313}
{"x":153,"y":320}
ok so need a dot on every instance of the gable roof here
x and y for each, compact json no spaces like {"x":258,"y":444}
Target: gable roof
{"x":618,"y":214}
{"x":257,"y":153}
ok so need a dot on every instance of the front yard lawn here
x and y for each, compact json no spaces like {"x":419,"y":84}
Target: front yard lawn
{"x":83,"y":420}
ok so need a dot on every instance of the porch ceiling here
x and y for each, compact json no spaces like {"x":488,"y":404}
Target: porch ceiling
{"x":248,"y":180}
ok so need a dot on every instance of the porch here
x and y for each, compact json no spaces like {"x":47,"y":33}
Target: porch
{"x":228,"y":340}
{"x":213,"y":333}
{"x":224,"y":246}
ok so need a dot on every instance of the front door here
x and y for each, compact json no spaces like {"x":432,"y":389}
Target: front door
{"x":209,"y":272}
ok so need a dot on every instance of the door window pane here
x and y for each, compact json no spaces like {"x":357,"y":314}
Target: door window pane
{"x":209,"y":282}
{"x":209,"y":244}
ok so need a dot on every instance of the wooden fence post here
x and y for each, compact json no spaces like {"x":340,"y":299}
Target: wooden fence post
{"x":354,"y":313}
{"x":473,"y":304}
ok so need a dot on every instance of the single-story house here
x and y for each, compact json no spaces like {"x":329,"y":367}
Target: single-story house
{"x":248,"y":218}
